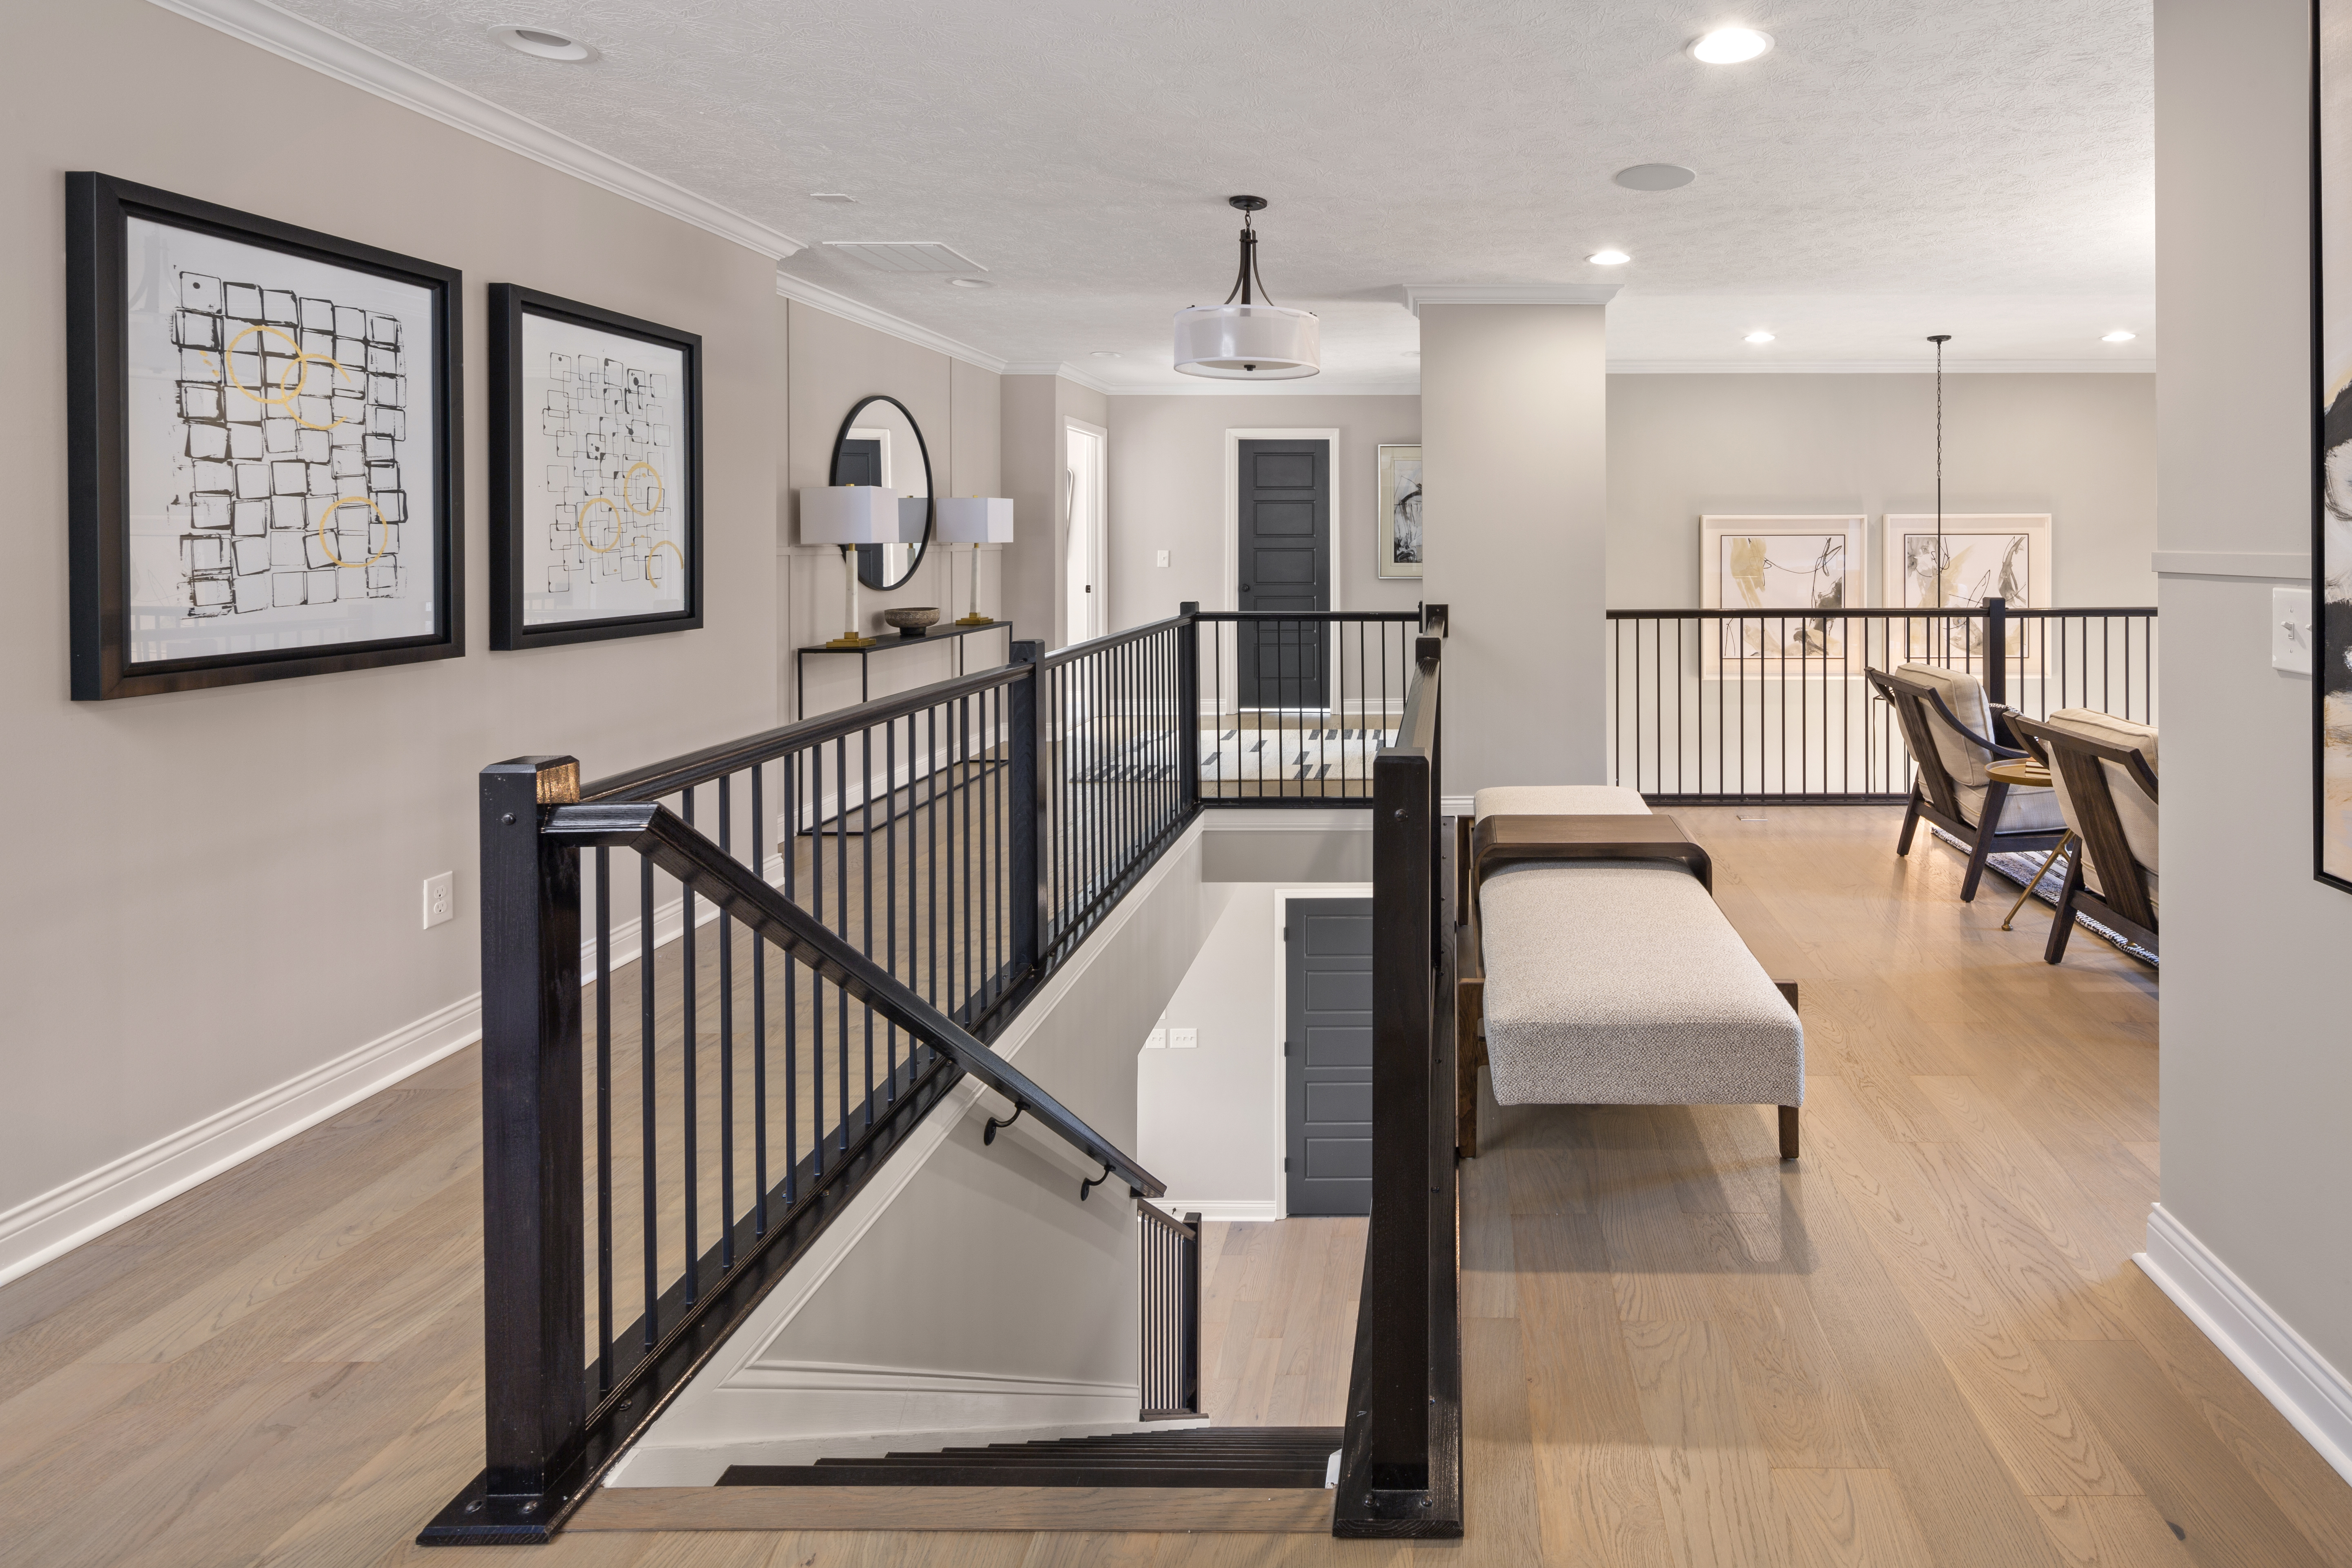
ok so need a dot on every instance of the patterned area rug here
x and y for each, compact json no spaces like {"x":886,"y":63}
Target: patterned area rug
{"x":2017,"y":867}
{"x":1238,"y":756}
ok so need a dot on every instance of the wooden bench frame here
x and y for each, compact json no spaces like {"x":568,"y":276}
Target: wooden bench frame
{"x":1508,"y":839}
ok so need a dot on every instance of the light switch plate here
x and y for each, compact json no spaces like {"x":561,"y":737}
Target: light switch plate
{"x":1156,"y":1041}
{"x":1163,"y":558}
{"x":2291,"y":630}
{"x":1183,"y":1039}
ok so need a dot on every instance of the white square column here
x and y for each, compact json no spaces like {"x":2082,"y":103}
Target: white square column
{"x":1515,"y":511}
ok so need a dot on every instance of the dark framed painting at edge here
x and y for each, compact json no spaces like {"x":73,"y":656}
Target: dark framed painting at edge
{"x":260,"y":484}
{"x":2331,"y":408}
{"x":595,"y":473}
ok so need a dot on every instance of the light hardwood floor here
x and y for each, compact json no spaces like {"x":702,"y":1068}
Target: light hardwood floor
{"x":1923,"y":1343}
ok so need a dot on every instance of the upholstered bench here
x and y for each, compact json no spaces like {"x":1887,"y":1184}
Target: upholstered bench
{"x":1597,"y":969}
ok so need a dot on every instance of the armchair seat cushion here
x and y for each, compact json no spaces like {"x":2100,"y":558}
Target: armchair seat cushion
{"x":1624,"y":984}
{"x":2024,"y":810}
{"x":2134,"y":813}
{"x":1964,"y":694}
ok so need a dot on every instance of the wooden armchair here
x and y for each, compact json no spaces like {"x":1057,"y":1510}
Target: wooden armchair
{"x":2103,"y":770}
{"x":1949,"y":726}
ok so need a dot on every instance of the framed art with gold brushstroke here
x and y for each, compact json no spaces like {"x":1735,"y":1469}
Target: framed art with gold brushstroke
{"x":1785,"y":577}
{"x":262,"y":444}
{"x":595,"y":473}
{"x":2331,"y":519}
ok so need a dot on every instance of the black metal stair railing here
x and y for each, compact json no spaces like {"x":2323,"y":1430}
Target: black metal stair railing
{"x":721,"y":990}
{"x":1169,"y":1355}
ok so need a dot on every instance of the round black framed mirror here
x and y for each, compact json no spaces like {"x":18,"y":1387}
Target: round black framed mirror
{"x":880,"y":443}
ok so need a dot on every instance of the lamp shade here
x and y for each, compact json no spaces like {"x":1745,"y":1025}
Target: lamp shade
{"x":975,"y":520}
{"x":913,"y":515}
{"x":850,"y":515}
{"x":1248,"y":342}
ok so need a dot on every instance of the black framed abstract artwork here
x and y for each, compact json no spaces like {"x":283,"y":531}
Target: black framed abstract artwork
{"x":595,"y":473}
{"x":263,"y":444}
{"x":2331,"y":540}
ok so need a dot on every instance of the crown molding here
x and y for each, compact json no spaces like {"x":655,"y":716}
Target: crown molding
{"x":1880,"y":367}
{"x":305,"y":43}
{"x":1063,"y":369}
{"x":1416,"y":295}
{"x":817,"y":297}
{"x":1306,"y":386}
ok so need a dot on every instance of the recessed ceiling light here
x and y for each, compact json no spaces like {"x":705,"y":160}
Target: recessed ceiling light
{"x":1730,"y":46}
{"x":1104,"y":354}
{"x":543,"y":43}
{"x":833,"y":197}
{"x":1609,"y":258}
{"x":2119,"y":336}
{"x":969,"y":283}
{"x":1758,"y":336}
{"x":1654,"y":177}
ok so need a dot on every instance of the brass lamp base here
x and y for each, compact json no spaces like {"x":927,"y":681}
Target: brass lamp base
{"x":852,"y":642}
{"x":975,"y":619}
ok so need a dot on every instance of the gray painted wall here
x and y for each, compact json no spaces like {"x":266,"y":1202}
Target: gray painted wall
{"x":222,"y":894}
{"x":2256,"y":1072}
{"x":1167,"y":492}
{"x":1036,"y":408}
{"x":2080,"y":448}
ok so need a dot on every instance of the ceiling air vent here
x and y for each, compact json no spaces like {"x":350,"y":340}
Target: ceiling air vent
{"x":906,"y":255}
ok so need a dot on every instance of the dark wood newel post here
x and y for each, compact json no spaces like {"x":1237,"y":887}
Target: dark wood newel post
{"x":533,"y":1344}
{"x":1027,"y":829}
{"x":1398,"y":1264}
{"x":1997,"y":650}
{"x":1188,"y":700}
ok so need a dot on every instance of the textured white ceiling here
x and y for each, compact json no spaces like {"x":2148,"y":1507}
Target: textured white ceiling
{"x":1895,"y":167}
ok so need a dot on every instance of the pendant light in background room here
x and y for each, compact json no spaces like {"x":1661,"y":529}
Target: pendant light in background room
{"x":1939,"y":340}
{"x":1246,"y":338}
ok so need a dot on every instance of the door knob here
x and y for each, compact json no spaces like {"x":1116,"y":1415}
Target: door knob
{"x":1245,"y":587}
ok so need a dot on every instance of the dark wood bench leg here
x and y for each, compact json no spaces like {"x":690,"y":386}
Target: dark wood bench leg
{"x":1788,"y":988}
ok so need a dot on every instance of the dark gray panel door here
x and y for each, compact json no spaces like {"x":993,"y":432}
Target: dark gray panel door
{"x":1286,"y":564}
{"x":859,"y":462}
{"x":1327,"y":1052}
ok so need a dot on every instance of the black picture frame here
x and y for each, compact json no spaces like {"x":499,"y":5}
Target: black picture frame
{"x":2331,"y":430}
{"x":510,"y":476}
{"x":99,"y":384}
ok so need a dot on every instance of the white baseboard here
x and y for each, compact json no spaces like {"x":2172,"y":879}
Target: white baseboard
{"x":2312,"y":1394}
{"x":57,"y":1221}
{"x":1240,"y":1211}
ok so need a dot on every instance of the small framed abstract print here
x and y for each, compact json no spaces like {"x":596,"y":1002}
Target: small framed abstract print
{"x":2331,"y":520}
{"x":1789,"y":578}
{"x":595,"y":473}
{"x":262,"y":448}
{"x":1400,"y":553}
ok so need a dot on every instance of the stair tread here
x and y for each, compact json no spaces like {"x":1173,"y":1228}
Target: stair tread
{"x":1153,"y":1475}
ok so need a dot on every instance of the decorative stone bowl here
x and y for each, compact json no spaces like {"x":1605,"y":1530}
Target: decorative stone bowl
{"x":912,"y":620}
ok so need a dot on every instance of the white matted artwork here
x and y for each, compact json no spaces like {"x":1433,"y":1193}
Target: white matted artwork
{"x":1986,"y":555}
{"x":1401,"y":552}
{"x":1792,"y":575}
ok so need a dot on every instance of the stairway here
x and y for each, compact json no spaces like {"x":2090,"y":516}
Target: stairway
{"x":1252,"y":1457}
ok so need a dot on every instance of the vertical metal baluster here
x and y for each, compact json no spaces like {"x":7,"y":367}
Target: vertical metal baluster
{"x":603,"y":1121}
{"x":866,"y":879}
{"x":759,"y":951}
{"x":648,"y":1145}
{"x":841,"y":929}
{"x":792,"y":851}
{"x":890,"y":879}
{"x":932,"y":857}
{"x":816,"y":982}
{"x":726,"y":1042}
{"x":690,"y":1098}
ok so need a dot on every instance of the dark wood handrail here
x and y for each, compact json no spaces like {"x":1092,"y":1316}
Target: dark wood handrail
{"x":1860,"y":614}
{"x":656,"y":832}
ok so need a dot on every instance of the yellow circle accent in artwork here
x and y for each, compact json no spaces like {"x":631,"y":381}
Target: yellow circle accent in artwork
{"x":660,"y":489}
{"x":354,"y":501}
{"x":228,"y":361}
{"x":298,"y":372}
{"x":669,"y":545}
{"x":579,"y":524}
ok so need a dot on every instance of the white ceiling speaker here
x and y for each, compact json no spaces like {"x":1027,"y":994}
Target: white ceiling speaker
{"x":1248,"y":339}
{"x":1654,"y":177}
{"x":544,"y":43}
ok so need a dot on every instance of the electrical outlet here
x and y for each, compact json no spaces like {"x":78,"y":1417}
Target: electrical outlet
{"x":1156,"y":1041}
{"x":440,"y":899}
{"x":1183,"y":1039}
{"x":1163,"y":558}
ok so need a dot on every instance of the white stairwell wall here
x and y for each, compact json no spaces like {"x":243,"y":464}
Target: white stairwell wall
{"x":968,"y":1291}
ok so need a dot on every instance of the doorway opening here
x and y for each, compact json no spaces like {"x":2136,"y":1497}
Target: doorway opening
{"x":1085,"y":612}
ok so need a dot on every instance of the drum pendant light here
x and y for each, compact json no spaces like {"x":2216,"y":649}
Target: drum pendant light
{"x":1248,"y":339}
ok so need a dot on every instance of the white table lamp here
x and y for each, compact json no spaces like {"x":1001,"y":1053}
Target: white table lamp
{"x":849,"y":516}
{"x":975,"y":520}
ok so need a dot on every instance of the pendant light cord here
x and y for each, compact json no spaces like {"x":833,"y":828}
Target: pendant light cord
{"x":1939,"y":340}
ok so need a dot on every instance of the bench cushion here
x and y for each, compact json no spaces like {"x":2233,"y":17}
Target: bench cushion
{"x":1557,"y":800}
{"x":1624,"y":984}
